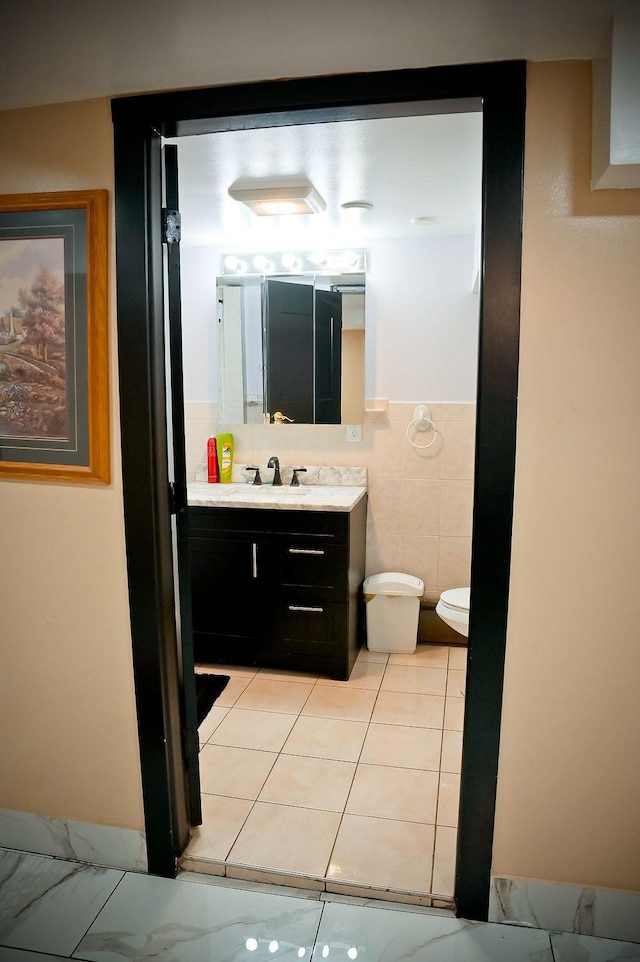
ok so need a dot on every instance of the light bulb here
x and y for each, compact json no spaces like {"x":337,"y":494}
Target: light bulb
{"x":290,"y":261}
{"x":251,"y":945}
{"x":262,"y":263}
{"x":352,"y":952}
{"x":231,"y":262}
{"x":274,"y":946}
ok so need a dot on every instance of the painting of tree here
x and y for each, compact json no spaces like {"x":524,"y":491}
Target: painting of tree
{"x":54,"y":336}
{"x":43,"y":313}
{"x":33,"y":396}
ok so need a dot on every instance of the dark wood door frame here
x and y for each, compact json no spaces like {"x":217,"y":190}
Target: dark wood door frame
{"x":140,"y":123}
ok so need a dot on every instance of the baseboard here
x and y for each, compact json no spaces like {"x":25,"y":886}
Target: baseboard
{"x":121,"y":848}
{"x":434,"y":631}
{"x":605,"y":913}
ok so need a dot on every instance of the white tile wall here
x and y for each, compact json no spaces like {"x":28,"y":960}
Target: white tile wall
{"x":420,"y":501}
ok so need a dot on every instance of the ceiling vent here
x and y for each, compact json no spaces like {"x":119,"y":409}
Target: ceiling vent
{"x":615,"y":151}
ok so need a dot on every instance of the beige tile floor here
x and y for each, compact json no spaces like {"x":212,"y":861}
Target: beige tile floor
{"x":346,"y":787}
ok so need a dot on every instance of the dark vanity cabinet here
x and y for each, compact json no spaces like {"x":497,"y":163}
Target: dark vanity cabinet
{"x":278,"y":588}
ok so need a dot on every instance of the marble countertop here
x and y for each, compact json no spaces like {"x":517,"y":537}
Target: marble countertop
{"x":309,"y":497}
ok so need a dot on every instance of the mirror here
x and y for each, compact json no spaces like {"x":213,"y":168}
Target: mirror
{"x":291,"y":349}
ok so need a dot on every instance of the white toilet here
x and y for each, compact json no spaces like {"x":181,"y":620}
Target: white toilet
{"x":453,"y":608}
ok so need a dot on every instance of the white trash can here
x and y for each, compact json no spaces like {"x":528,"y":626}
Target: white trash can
{"x":393,"y":610}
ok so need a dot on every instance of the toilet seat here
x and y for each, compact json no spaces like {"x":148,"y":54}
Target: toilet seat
{"x":453,"y":608}
{"x":459,"y":599}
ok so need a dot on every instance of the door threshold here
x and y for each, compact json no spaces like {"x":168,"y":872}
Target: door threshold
{"x":311,"y":886}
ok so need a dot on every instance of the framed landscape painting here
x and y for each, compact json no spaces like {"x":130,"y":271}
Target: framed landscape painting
{"x":54,"y":420}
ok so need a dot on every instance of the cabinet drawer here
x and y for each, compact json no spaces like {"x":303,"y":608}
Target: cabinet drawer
{"x":309,"y":629}
{"x":318,"y":564}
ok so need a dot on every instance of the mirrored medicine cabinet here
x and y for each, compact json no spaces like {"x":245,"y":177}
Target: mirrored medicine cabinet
{"x":291,"y":348}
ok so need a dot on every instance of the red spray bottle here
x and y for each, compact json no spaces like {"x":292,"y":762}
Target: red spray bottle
{"x":213,"y":473}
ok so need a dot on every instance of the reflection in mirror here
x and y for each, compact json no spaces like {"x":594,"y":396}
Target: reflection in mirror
{"x":291,"y":349}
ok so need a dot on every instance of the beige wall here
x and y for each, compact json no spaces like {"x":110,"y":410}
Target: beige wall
{"x":352,"y":411}
{"x":568,"y":782}
{"x":68,"y":742}
{"x":569,"y":779}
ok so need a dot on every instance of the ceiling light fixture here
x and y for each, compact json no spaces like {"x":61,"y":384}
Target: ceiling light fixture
{"x":269,"y":198}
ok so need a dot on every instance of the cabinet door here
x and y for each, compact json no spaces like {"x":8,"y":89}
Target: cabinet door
{"x":228,"y":599}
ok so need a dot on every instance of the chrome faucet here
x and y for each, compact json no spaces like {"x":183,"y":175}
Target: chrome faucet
{"x":275,"y":463}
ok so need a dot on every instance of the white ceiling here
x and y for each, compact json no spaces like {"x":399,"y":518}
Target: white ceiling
{"x":74,"y":50}
{"x":56,"y":52}
{"x":406,"y":167}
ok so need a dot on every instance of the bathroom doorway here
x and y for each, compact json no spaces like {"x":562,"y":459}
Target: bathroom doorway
{"x":298,"y":755}
{"x":140,"y":123}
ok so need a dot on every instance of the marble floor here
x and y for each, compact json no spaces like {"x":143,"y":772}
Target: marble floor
{"x":349,"y":787}
{"x":52,"y":909}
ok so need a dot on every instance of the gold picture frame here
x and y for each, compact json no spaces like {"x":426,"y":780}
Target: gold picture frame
{"x":54,"y":391}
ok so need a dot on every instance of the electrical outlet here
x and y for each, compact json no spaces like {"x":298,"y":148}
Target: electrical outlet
{"x":354,"y":432}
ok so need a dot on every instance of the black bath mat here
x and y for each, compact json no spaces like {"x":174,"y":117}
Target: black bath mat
{"x":208,"y":688}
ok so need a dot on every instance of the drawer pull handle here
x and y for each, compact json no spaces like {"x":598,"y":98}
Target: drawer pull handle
{"x":318,"y":551}
{"x":254,"y":559}
{"x":314,"y":610}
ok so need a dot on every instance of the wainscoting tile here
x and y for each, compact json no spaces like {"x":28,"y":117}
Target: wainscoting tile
{"x":604,"y":913}
{"x":113,"y":847}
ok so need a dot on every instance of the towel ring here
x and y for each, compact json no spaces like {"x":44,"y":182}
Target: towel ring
{"x":421,"y":422}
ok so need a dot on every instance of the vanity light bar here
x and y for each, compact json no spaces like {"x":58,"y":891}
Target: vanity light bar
{"x":295,"y":262}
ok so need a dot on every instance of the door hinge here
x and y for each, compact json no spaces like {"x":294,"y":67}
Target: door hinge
{"x":190,"y":742}
{"x":171,"y":225}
